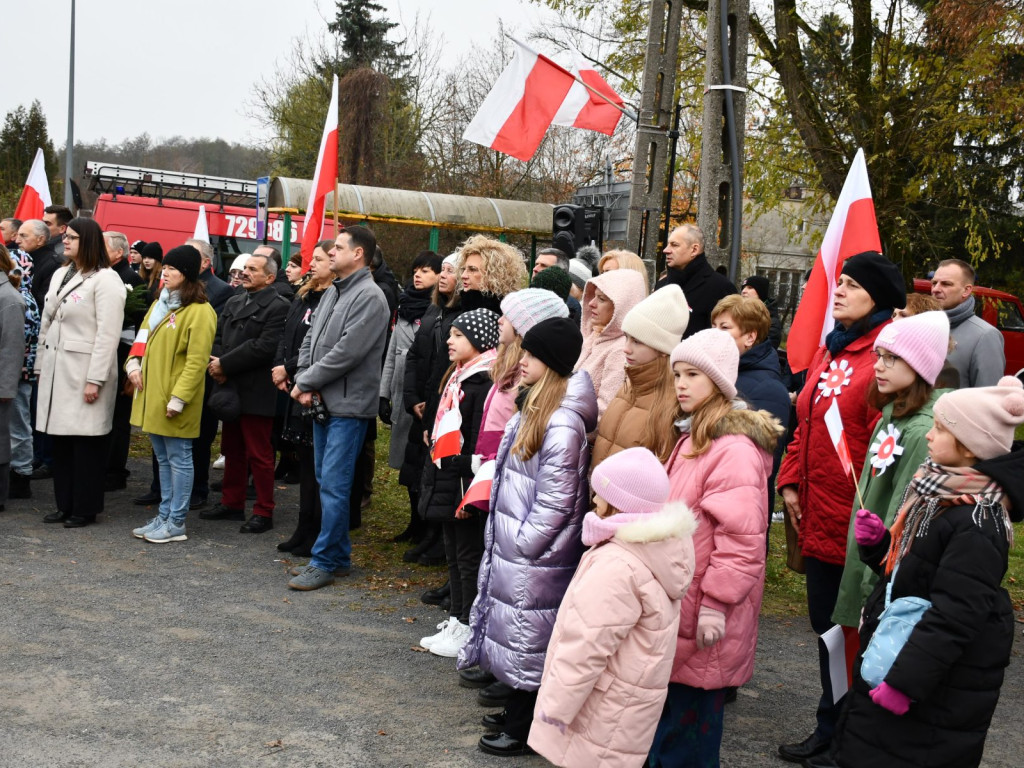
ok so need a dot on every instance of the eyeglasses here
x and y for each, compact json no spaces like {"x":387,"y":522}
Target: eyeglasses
{"x":888,"y":360}
{"x":69,"y":237}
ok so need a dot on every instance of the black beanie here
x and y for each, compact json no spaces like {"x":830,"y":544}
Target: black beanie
{"x":138,"y":245}
{"x":480,"y":326}
{"x":186,"y":260}
{"x":879,"y":277}
{"x":556,"y":342}
{"x":152,"y":250}
{"x":759,"y":284}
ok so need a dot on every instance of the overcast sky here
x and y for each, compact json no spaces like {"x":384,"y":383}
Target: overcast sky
{"x":189,"y":67}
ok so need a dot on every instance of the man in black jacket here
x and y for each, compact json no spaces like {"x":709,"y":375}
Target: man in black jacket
{"x":217,"y":291}
{"x":248,"y":333}
{"x":32,"y":239}
{"x":688,"y":267}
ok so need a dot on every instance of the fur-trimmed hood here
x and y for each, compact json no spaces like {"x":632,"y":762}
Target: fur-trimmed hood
{"x":760,"y":426}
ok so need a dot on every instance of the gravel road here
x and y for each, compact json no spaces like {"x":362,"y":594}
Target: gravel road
{"x":121,"y":653}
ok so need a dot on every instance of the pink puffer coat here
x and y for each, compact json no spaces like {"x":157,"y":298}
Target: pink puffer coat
{"x":610,"y":655}
{"x":603,"y":356}
{"x":725,"y":488}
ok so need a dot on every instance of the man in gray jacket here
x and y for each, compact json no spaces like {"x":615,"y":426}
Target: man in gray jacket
{"x":339,"y":367}
{"x":978,"y":355}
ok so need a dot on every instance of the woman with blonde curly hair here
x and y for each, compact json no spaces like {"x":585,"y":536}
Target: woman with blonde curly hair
{"x":620,"y":259}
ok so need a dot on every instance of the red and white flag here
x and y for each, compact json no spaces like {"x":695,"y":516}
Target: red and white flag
{"x":479,"y":492}
{"x":449,"y":436}
{"x":834,"y":422}
{"x":583,"y":108}
{"x":517,"y":112}
{"x":852,"y":230}
{"x":323,"y":181}
{"x":36,"y":195}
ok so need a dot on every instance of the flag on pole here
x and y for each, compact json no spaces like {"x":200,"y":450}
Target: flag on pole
{"x":516,"y":113}
{"x":36,"y":195}
{"x":852,"y":230}
{"x":323,"y":181}
{"x":449,"y":436}
{"x":479,"y":492}
{"x":202,"y":228}
{"x":583,"y":108}
{"x":834,"y":422}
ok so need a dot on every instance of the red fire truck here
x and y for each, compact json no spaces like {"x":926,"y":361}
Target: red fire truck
{"x":148,"y":204}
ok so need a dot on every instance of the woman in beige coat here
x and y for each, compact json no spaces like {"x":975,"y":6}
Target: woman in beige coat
{"x":76,"y":365}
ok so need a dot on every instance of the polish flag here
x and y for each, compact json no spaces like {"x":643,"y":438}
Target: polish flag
{"x":852,"y":230}
{"x":517,"y":112}
{"x":479,"y":492}
{"x":323,"y":181}
{"x":36,"y":195}
{"x":583,"y":108}
{"x":138,"y":348}
{"x":202,"y":228}
{"x":449,"y":436}
{"x":834,"y":422}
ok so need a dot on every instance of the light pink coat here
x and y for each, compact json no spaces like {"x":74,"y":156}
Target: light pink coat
{"x":725,"y":489}
{"x":610,"y":655}
{"x":603,"y":356}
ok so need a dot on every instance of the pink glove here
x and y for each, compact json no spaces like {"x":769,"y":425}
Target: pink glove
{"x":710,"y":627}
{"x":868,"y":528}
{"x":551,"y":721}
{"x":886,"y":696}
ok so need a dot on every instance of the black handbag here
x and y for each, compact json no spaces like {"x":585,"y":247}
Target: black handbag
{"x":225,"y":402}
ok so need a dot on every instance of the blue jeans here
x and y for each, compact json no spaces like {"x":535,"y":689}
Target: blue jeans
{"x":336,"y":447}
{"x":174,"y":463}
{"x":22,"y":451}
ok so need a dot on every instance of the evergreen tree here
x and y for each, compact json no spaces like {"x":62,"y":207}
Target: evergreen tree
{"x":24,"y":132}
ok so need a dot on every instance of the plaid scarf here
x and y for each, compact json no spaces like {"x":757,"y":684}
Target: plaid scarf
{"x":934,"y":489}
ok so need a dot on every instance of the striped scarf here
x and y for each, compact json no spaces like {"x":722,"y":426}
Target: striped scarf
{"x":934,"y":489}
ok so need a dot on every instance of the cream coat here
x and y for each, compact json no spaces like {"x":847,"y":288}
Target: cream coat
{"x":78,"y":338}
{"x":608,"y":664}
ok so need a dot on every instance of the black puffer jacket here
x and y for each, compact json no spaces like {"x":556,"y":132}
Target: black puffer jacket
{"x":443,"y":488}
{"x":953,"y":663}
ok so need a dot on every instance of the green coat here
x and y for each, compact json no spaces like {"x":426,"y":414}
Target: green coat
{"x":882,"y":492}
{"x":174,"y":365}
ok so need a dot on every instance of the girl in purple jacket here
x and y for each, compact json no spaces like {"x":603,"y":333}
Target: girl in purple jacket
{"x":534,"y":532}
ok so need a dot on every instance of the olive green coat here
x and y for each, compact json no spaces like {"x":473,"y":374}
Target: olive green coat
{"x":882,"y":493}
{"x":174,"y":365}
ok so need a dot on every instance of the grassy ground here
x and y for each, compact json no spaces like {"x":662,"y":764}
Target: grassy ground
{"x":784,"y":593}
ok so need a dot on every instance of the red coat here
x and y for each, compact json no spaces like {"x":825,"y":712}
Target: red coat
{"x":812,"y":464}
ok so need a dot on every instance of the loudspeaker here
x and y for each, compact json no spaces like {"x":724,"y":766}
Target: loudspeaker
{"x":573,"y":226}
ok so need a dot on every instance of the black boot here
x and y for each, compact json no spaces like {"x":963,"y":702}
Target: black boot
{"x":431,"y":539}
{"x":436,"y":596}
{"x":20,"y":486}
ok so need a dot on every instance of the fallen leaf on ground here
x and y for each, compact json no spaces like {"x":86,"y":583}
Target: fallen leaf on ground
{"x":276,"y":744}
{"x":409,"y":619}
{"x":382,"y":733}
{"x":419,"y":649}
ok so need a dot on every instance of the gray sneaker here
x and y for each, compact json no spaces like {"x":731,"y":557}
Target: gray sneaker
{"x":296,"y":570}
{"x":152,"y":525}
{"x":311,"y":578}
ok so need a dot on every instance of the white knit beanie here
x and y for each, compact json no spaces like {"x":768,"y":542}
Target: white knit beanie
{"x":660,"y":320}
{"x":713,"y":352}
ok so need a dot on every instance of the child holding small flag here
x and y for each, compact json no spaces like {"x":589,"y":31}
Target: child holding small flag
{"x":533,"y":538}
{"x":948,"y":547}
{"x":719,"y":469}
{"x":610,"y":655}
{"x":448,"y":474}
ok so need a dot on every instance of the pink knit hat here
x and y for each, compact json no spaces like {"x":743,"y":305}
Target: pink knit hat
{"x":525,"y":308}
{"x":921,"y":341}
{"x":714,"y":353}
{"x":633,"y":481}
{"x":983,"y":418}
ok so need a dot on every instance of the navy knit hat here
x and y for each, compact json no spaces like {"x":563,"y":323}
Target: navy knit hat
{"x":480,"y":326}
{"x":759,"y":284}
{"x":556,"y":342}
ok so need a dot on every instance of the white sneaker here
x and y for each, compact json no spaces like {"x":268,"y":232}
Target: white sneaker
{"x":450,"y":645}
{"x":777,"y":517}
{"x":426,"y":642}
{"x":219,"y":463}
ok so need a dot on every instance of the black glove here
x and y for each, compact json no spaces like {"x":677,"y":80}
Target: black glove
{"x":384,"y":411}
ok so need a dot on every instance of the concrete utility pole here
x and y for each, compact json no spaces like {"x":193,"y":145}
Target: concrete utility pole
{"x":657,"y":104}
{"x":69,"y":150}
{"x":720,"y":187}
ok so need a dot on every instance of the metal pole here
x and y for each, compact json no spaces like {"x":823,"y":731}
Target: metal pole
{"x":69,"y":151}
{"x":674,"y":136}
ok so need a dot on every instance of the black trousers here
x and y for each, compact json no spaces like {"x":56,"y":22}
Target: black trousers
{"x":519,"y":713}
{"x":79,"y":465}
{"x":822,"y":590}
{"x":463,"y":548}
{"x":121,"y":428}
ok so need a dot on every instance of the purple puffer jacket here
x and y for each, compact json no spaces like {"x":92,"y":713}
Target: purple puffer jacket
{"x":533,"y":542}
